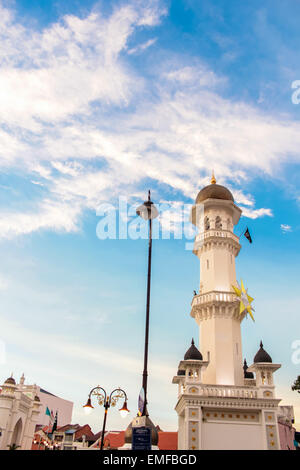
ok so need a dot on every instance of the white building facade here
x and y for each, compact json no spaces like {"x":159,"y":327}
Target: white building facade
{"x":23,"y":407}
{"x":221,"y":404}
{"x":18,"y":416}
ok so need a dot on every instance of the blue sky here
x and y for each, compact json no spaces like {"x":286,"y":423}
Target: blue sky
{"x":108,"y":99}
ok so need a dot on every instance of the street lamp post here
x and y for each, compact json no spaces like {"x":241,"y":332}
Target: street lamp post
{"x":147,"y":211}
{"x":107,"y":401}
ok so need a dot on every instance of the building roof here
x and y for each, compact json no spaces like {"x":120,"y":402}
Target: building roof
{"x":113,"y":440}
{"x":167,"y":440}
{"x":193,"y":353}
{"x":67,"y":427}
{"x":79,"y":431}
{"x":86,"y":431}
{"x":262,"y":355}
{"x":214,"y":191}
{"x":46,"y":429}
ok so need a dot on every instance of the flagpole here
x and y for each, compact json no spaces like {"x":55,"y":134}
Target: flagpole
{"x":243,"y":231}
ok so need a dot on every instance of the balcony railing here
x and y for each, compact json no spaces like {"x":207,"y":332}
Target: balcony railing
{"x":216,"y":233}
{"x":214,"y":296}
{"x":227,"y":391}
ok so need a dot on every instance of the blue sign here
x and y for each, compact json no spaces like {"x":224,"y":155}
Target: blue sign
{"x":141,"y":438}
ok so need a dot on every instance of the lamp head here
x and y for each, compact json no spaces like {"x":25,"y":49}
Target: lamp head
{"x":124,"y":410}
{"x":147,"y":210}
{"x":88,"y":406}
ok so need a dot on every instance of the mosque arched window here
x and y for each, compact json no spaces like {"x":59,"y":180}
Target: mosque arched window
{"x":218,"y":222}
{"x":206,"y":223}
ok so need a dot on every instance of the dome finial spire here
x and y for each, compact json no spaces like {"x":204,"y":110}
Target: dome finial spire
{"x":213,"y":179}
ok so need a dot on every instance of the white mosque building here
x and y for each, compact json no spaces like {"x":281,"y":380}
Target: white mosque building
{"x":221,"y":403}
{"x":19,"y":414}
{"x":23,"y":407}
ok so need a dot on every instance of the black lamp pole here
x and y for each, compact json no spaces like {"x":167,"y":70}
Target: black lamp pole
{"x":107,"y":402}
{"x":148,"y":212}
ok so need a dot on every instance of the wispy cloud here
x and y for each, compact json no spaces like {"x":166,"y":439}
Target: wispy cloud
{"x":142,"y":47}
{"x":285,"y":228}
{"x":82,"y":120}
{"x":256,"y":213}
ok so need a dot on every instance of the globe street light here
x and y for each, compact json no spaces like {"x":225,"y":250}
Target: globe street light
{"x":107,"y":402}
{"x":147,"y":211}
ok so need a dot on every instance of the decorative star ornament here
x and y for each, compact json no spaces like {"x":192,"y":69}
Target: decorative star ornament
{"x":245,"y":299}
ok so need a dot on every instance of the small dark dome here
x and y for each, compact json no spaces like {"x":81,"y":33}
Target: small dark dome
{"x":10,"y":381}
{"x":262,"y":355}
{"x":214,"y":191}
{"x":193,"y":353}
{"x":247,"y":375}
{"x":36,"y":398}
{"x":181,"y":372}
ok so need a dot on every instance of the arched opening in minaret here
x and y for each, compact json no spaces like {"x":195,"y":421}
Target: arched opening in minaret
{"x":218,"y":222}
{"x":206,"y":223}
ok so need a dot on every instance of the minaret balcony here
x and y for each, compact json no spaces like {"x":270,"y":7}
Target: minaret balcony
{"x":214,"y":297}
{"x":217,"y":237}
{"x":216,"y":304}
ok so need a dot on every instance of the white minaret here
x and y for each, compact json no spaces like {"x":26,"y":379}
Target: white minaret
{"x":215,"y":308}
{"x":221,"y":403}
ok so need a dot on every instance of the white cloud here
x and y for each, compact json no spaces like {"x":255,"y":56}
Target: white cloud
{"x":285,"y":228}
{"x":256,"y":213}
{"x":49,"y":215}
{"x":241,"y":198}
{"x":65,"y":93}
{"x":54,"y":74}
{"x":142,"y":47}
{"x":198,"y":75}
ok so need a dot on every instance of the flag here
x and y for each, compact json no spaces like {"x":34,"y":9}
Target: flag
{"x":247,"y":235}
{"x":54,"y":424}
{"x":48,"y":412}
